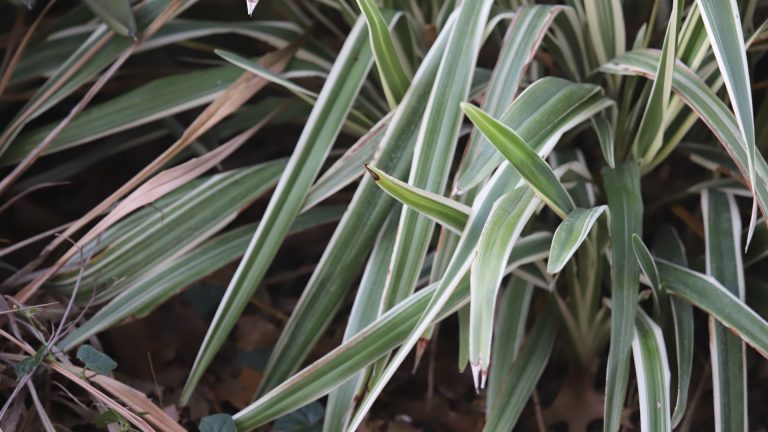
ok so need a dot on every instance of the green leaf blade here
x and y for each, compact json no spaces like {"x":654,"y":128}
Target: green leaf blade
{"x":570,"y":234}
{"x":622,"y":187}
{"x":722,"y":224}
{"x":393,"y":75}
{"x":524,"y":374}
{"x":707,"y":293}
{"x":449,"y":213}
{"x":521,"y":42}
{"x":721,"y":19}
{"x":653,"y":375}
{"x":357,"y":231}
{"x":525,"y":160}
{"x":506,"y":221}
{"x":650,"y":135}
{"x":323,"y":126}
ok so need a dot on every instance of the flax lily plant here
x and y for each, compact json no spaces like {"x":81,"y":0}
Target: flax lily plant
{"x":528,"y":138}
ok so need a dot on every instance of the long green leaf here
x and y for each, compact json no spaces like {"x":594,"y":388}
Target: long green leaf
{"x":168,"y":228}
{"x":712,"y":111}
{"x":514,"y":307}
{"x":460,"y":263}
{"x":61,"y":85}
{"x":561,"y":105}
{"x":653,"y":376}
{"x":622,"y":187}
{"x":521,"y":42}
{"x":570,"y":234}
{"x":502,"y":229}
{"x":722,"y":227}
{"x":721,"y":18}
{"x":603,"y":126}
{"x":158,"y":99}
{"x":365,"y":310}
{"x":648,"y":267}
{"x":707,"y":293}
{"x":390,"y":68}
{"x":524,"y":374}
{"x":168,"y":277}
{"x":323,"y":126}
{"x":345,"y":254}
{"x":542,"y":128}
{"x":605,"y":23}
{"x":668,"y":246}
{"x":257,"y":69}
{"x":43,"y":59}
{"x":347,"y":168}
{"x":650,"y":135}
{"x":445,"y":211}
{"x":568,"y":45}
{"x":435,"y":147}
{"x":377,"y":339}
{"x":530,"y":165}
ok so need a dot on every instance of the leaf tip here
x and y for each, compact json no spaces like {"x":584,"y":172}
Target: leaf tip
{"x":479,"y":375}
{"x":421,"y":347}
{"x":372,"y":171}
{"x":251,"y":4}
{"x":752,"y":225}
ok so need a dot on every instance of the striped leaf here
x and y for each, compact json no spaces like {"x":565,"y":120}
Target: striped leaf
{"x":712,"y":111}
{"x":706,"y":293}
{"x":169,"y":227}
{"x":445,"y":211}
{"x":570,"y":234}
{"x":365,"y":310}
{"x":722,"y":227}
{"x":505,"y":223}
{"x":368,"y":345}
{"x":668,"y":246}
{"x":345,"y":254}
{"x":514,"y":307}
{"x":605,"y":23}
{"x":522,"y":40}
{"x":721,"y":19}
{"x":320,"y":132}
{"x":390,"y":67}
{"x":71,"y":74}
{"x":653,"y":375}
{"x":169,"y":277}
{"x":530,"y":165}
{"x":648,"y":267}
{"x":650,"y":135}
{"x":436,"y":144}
{"x":524,"y":374}
{"x":622,"y":187}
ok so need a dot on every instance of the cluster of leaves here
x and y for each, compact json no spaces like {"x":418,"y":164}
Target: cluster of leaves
{"x":542,"y":217}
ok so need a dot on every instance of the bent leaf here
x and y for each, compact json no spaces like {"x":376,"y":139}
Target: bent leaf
{"x":570,"y":234}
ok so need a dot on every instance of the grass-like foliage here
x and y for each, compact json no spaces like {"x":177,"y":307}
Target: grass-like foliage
{"x":579,"y":183}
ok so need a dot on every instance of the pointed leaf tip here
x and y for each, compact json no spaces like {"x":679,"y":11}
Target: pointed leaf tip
{"x":476,"y":376}
{"x":251,"y":4}
{"x":421,"y":348}
{"x":372,"y":171}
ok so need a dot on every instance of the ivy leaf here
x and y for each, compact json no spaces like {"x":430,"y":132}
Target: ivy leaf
{"x":29,"y":364}
{"x":109,"y":417}
{"x":96,"y":360}
{"x":306,"y":419}
{"x":218,"y":423}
